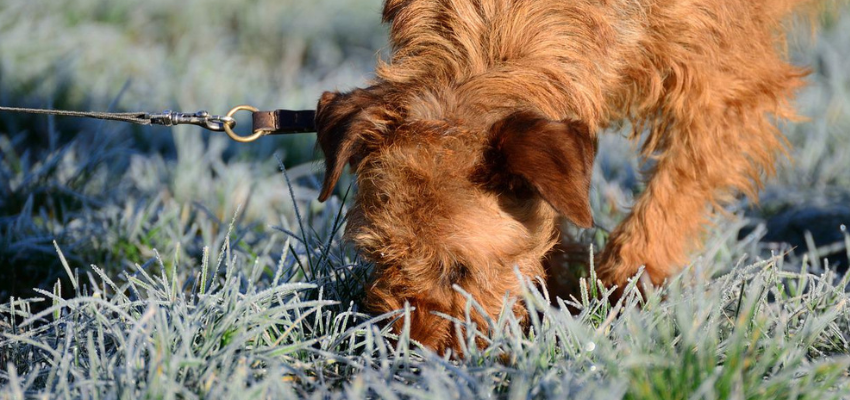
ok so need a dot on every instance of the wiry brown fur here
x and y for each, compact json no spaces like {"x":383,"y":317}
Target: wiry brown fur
{"x":481,"y":130}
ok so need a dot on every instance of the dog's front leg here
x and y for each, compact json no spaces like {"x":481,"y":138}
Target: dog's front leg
{"x":703,"y":163}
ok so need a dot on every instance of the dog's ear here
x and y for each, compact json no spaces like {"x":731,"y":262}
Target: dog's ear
{"x":344,"y":123}
{"x":555,"y":158}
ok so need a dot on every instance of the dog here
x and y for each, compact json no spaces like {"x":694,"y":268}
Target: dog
{"x":479,"y":134}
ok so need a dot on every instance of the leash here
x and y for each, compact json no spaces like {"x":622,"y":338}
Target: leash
{"x":277,"y":122}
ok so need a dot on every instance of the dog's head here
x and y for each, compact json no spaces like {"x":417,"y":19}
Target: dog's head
{"x":448,"y":201}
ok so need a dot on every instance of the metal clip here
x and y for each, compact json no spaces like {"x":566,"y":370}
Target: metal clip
{"x":203,"y":119}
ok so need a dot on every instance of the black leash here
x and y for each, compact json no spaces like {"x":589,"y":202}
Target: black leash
{"x":276,"y":122}
{"x":136,"y":118}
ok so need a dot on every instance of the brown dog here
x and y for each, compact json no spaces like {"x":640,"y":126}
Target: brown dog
{"x":481,"y":131}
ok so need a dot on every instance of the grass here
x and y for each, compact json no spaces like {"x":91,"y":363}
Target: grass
{"x":757,"y":332}
{"x":172,"y":263}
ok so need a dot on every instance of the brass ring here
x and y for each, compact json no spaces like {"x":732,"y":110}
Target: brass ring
{"x":243,"y":139}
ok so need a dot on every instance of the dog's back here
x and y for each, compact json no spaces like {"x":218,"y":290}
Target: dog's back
{"x":589,"y":60}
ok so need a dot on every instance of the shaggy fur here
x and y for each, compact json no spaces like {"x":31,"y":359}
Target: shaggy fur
{"x":481,"y":131}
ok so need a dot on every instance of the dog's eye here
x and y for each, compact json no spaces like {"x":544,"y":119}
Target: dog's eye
{"x":458,"y":273}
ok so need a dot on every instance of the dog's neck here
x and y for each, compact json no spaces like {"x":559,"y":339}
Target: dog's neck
{"x":466,"y":56}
